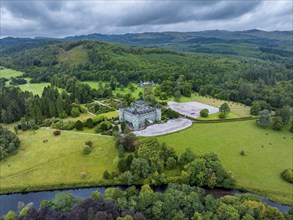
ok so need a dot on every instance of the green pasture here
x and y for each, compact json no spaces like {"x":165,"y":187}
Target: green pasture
{"x":58,"y":162}
{"x":268,"y":153}
{"x":8,"y":73}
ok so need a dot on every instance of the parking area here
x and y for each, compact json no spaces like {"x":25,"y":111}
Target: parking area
{"x":191,"y":109}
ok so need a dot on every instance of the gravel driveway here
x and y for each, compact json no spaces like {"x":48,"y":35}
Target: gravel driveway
{"x":165,"y":128}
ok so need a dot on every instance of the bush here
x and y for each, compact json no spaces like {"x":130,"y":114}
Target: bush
{"x":106,"y":175}
{"x":242,"y":153}
{"x":78,"y":125}
{"x":103,"y":126}
{"x":86,"y":150}
{"x":171,"y":163}
{"x":89,"y":143}
{"x":89,"y":123}
{"x":204,"y":113}
{"x":287,"y":175}
{"x":222,"y":115}
{"x":57,"y":132}
{"x":75,"y":112}
{"x":277,"y":123}
{"x":10,"y":216}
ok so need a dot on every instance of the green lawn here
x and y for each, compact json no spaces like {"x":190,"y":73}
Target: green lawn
{"x":59,"y":162}
{"x":8,"y":73}
{"x":258,"y":171}
{"x":111,"y":114}
{"x":215,"y":116}
{"x":95,"y":84}
{"x":35,"y":88}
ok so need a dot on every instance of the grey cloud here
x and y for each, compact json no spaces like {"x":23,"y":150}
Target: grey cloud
{"x":57,"y":18}
{"x":167,"y":12}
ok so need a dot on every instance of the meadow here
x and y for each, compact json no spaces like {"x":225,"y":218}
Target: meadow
{"x":268,"y":153}
{"x":8,"y":73}
{"x":57,"y":163}
{"x":35,"y":88}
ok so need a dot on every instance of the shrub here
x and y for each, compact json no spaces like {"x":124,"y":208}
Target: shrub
{"x":86,"y":150}
{"x":89,"y":123}
{"x":75,"y":112}
{"x":10,"y":216}
{"x":171,"y":163}
{"x":106,"y":175}
{"x":89,"y":143}
{"x":222,"y":115}
{"x":56,"y":132}
{"x":242,"y":153}
{"x":204,"y":113}
{"x":277,"y":123}
{"x":287,"y":175}
{"x":103,"y":126}
{"x":78,"y":125}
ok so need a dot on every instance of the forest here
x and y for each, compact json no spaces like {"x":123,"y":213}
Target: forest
{"x":229,"y":78}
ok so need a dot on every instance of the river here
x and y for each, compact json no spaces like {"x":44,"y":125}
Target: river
{"x":10,"y":201}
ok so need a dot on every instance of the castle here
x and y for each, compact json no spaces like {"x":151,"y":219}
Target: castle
{"x":139,"y":113}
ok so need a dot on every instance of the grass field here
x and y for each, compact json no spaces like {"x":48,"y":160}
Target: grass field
{"x":8,"y":73}
{"x":36,"y":88}
{"x":258,"y":171}
{"x":95,"y":84}
{"x":38,"y":165}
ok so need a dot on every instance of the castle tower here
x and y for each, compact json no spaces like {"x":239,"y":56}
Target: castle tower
{"x":121,"y":112}
{"x":158,"y":112}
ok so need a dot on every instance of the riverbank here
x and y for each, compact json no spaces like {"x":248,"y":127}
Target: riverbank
{"x":10,"y":202}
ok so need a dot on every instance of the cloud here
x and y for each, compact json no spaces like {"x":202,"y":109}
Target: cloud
{"x":57,"y":18}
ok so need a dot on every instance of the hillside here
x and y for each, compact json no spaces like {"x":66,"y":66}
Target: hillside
{"x":275,"y":46}
{"x":230,"y":78}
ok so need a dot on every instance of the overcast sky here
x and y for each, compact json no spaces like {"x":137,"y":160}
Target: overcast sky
{"x":58,"y":18}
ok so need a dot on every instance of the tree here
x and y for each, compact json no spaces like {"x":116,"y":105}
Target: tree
{"x":140,"y":168}
{"x":265,"y":118}
{"x":187,"y":157}
{"x":89,"y":123}
{"x":225,"y":108}
{"x":10,"y":216}
{"x":106,"y":175}
{"x":78,"y":125}
{"x":177,"y":95}
{"x":278,"y":123}
{"x":222,"y":115}
{"x":75,"y":112}
{"x":255,"y":108}
{"x":127,"y":178}
{"x":285,"y":114}
{"x":171,"y":163}
{"x":204,"y":113}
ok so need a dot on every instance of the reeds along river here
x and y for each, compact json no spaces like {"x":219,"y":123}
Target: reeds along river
{"x":10,"y":201}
